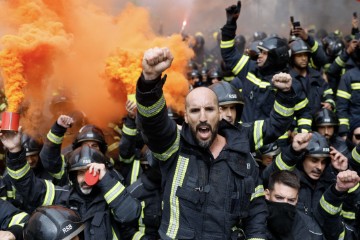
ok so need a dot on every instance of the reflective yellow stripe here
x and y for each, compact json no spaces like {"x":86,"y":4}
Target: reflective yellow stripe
{"x":284,"y":136}
{"x":3,"y":198}
{"x":181,"y":168}
{"x":18,"y":219}
{"x":348,"y":215}
{"x":114,"y":192}
{"x":50,"y":193}
{"x":355,"y":155}
{"x":257,"y":81}
{"x":259,"y":192}
{"x":227,"y":44}
{"x":327,"y":92}
{"x":240,"y":65}
{"x":342,"y":235}
{"x":355,"y":86}
{"x":2,"y":106}
{"x":228,"y":79}
{"x":258,"y":134}
{"x":129,"y":131}
{"x":329,"y":208}
{"x":113,"y":146}
{"x":127,"y":160}
{"x":301,"y":105}
{"x":138,"y":235}
{"x":315,"y":47}
{"x":172,"y":149}
{"x":344,"y":121}
{"x":114,"y":234}
{"x":17,"y":174}
{"x":62,"y":170}
{"x":340,"y":62}
{"x":10,"y":194}
{"x":304,"y":121}
{"x":135,"y":171}
{"x":153,"y":109}
{"x":343,"y":94}
{"x":284,"y":111}
{"x":281,"y":164}
{"x":353,"y":189}
{"x":142,"y":215}
{"x":54,"y":139}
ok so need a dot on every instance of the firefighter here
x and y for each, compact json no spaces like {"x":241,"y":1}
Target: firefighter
{"x":205,"y":165}
{"x":12,"y":221}
{"x":103,"y":203}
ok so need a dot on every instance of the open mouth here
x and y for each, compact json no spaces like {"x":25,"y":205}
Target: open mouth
{"x":204,"y":131}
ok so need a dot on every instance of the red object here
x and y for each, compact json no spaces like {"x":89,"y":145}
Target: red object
{"x":90,"y":179}
{"x":10,"y":121}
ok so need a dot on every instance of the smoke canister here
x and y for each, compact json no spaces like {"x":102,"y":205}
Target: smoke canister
{"x":90,"y":179}
{"x":10,"y":121}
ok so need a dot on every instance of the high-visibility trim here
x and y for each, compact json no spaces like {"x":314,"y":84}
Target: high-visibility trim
{"x":283,"y":111}
{"x":142,"y":215}
{"x":343,"y":94}
{"x":228,"y":79}
{"x":127,"y":160}
{"x":355,"y":86}
{"x":301,"y":105}
{"x":259,"y":192}
{"x":113,"y":146}
{"x":17,"y":174}
{"x":2,"y":107}
{"x":258,"y":134}
{"x":340,"y":62}
{"x":329,"y":208}
{"x":284,"y":136}
{"x":342,"y":235}
{"x":344,"y":121}
{"x":353,"y":189}
{"x":227,"y":44}
{"x":62,"y":170}
{"x":240,"y":64}
{"x":18,"y":219}
{"x":257,"y":81}
{"x":332,"y":102}
{"x":171,"y":150}
{"x":281,"y":164}
{"x":348,"y":215}
{"x":138,"y":235}
{"x":114,"y":192}
{"x":114,"y":234}
{"x":174,"y":221}
{"x":10,"y":194}
{"x":153,"y":109}
{"x":129,"y":131}
{"x":315,"y":47}
{"x":50,"y":193}
{"x":328,"y":91}
{"x":135,"y":171}
{"x":355,"y":155}
{"x":3,"y":198}
{"x":304,"y":121}
{"x":53,"y":138}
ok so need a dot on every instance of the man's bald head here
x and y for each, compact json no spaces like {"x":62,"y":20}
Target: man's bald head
{"x":197,"y":95}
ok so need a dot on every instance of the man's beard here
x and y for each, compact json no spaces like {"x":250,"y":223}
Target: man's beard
{"x":201,"y":143}
{"x":85,"y":191}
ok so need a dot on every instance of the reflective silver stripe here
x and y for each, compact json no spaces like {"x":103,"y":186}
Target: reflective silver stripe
{"x":240,"y":65}
{"x":340,"y":62}
{"x":153,"y":109}
{"x":127,"y":160}
{"x":343,"y":94}
{"x":18,"y":219}
{"x":344,"y":121}
{"x":284,"y":111}
{"x":355,"y":86}
{"x":304,"y":121}
{"x":348,"y":215}
{"x":172,"y":149}
{"x":138,"y":235}
{"x":327,"y":92}
{"x":329,"y":208}
{"x":114,"y":192}
{"x":301,"y":105}
{"x":129,"y":131}
{"x":135,"y":171}
{"x":17,"y":174}
{"x":227,"y":44}
{"x":315,"y":47}
{"x":355,"y":155}
{"x":50,"y":193}
{"x":281,"y":164}
{"x":258,"y":134}
{"x":62,"y":170}
{"x":174,"y":221}
{"x":53,"y":138}
{"x":259,"y":192}
{"x":252,"y":78}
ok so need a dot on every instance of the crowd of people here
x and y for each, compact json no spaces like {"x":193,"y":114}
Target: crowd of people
{"x":268,"y":147}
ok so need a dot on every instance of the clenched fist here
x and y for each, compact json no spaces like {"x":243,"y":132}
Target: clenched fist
{"x":155,"y":61}
{"x":282,"y":82}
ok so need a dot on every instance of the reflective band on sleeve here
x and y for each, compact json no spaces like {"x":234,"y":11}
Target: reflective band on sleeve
{"x":344,"y":121}
{"x":59,"y":175}
{"x":257,"y":81}
{"x":301,"y":105}
{"x":259,"y":192}
{"x":240,"y":65}
{"x":172,"y":149}
{"x":114,"y":192}
{"x":353,"y":189}
{"x":2,"y":107}
{"x":281,"y":164}
{"x":340,"y":62}
{"x":174,"y":221}
{"x":53,"y":138}
{"x":138,"y":235}
{"x":329,"y":208}
{"x":17,"y":174}
{"x":10,"y":194}
{"x":153,"y":109}
{"x":355,"y":86}
{"x":18,"y":219}
{"x":129,"y":131}
{"x":315,"y":47}
{"x":304,"y":121}
{"x":284,"y":111}
{"x":258,"y":134}
{"x":327,"y":92}
{"x":348,"y":215}
{"x":135,"y":171}
{"x":343,"y":94}
{"x":50,"y":193}
{"x":227,"y":44}
{"x":355,"y":155}
{"x":114,"y":234}
{"x":342,"y":235}
{"x":127,"y":160}
{"x":113,"y":146}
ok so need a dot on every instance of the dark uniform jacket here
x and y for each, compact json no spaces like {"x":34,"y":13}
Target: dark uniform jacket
{"x":204,"y":198}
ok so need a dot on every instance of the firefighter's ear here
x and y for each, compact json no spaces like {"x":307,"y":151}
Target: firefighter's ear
{"x":267,"y":194}
{"x":185,"y":117}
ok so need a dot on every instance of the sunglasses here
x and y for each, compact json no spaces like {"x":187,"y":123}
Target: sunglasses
{"x":357,"y":136}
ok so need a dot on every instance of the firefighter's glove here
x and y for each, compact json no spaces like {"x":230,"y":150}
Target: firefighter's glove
{"x":232,"y":13}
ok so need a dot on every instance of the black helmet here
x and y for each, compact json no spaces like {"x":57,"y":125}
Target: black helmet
{"x":82,"y":156}
{"x":271,"y":149}
{"x":259,"y":35}
{"x":53,"y":223}
{"x":90,"y":133}
{"x":214,"y":73}
{"x":226,"y":93}
{"x":299,"y":46}
{"x":195,"y":74}
{"x":318,"y":146}
{"x":253,"y":50}
{"x":240,"y":42}
{"x":278,"y":53}
{"x":31,"y":145}
{"x":335,"y":48}
{"x":326,"y":117}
